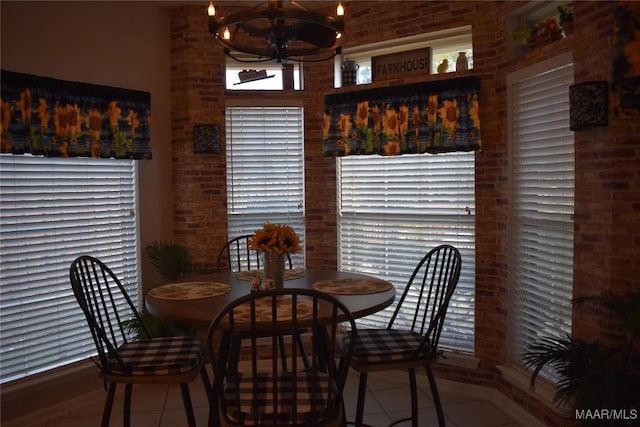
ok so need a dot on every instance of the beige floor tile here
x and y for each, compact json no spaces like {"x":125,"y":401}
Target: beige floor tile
{"x":449,"y":398}
{"x":426,"y":417}
{"x":196,"y":391}
{"x":351,"y":385}
{"x":178,"y":418}
{"x":386,"y":380}
{"x":79,"y":421}
{"x":399,"y":398}
{"x":144,"y":398}
{"x":479,"y":413}
{"x":138,"y":419}
{"x":371,"y":405}
{"x":387,"y":399}
{"x":377,"y":420}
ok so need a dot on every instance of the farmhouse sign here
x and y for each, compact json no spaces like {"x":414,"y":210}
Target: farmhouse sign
{"x":410,"y":63}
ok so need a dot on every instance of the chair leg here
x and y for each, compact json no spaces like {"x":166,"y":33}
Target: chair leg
{"x":232,"y":354}
{"x":126,"y":421}
{"x":322,"y":339}
{"x":214,"y":415}
{"x":362,"y":391}
{"x":414,"y":397}
{"x":283,"y":353}
{"x":343,"y":421}
{"x":214,"y":418}
{"x":207,"y":384}
{"x":436,"y":396}
{"x":188,"y":408}
{"x":214,"y":409}
{"x":303,"y":351}
{"x":108,"y":404}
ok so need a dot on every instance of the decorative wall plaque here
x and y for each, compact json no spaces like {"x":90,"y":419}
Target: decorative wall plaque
{"x":409,"y":63}
{"x":206,"y":139}
{"x":589,"y":105}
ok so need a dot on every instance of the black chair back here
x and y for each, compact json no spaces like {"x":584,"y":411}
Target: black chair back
{"x":251,"y":385}
{"x":106,"y":306}
{"x":425,"y":300}
{"x":236,"y":255}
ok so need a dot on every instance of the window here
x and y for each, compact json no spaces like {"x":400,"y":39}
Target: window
{"x":393,"y":210}
{"x":524,"y":25}
{"x":52,"y":210}
{"x":276,"y":77}
{"x":444,"y":45}
{"x":265,"y":170}
{"x":541,"y":220}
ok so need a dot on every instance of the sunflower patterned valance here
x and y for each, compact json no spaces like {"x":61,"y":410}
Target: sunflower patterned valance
{"x":431,"y":117}
{"x":58,"y":118}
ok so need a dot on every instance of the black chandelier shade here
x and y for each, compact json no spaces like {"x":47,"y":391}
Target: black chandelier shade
{"x":279,"y":31}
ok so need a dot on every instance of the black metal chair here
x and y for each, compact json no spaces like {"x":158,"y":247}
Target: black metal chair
{"x":236,"y":255}
{"x":122,"y":360}
{"x":240,"y":257}
{"x":256,"y":390}
{"x":411,"y":337}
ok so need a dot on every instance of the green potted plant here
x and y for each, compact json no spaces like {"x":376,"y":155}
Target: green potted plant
{"x":594,"y":376}
{"x":172,"y":262}
{"x":566,"y":18}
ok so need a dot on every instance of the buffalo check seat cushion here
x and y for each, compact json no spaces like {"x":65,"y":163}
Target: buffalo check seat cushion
{"x":157,"y":356}
{"x":388,"y":345}
{"x":249,"y":400}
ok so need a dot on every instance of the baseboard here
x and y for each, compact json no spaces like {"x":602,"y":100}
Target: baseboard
{"x":459,"y":360}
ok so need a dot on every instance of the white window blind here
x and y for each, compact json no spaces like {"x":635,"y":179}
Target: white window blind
{"x":541,"y":221}
{"x":393,"y":210}
{"x":53,"y":210}
{"x":265,"y":170}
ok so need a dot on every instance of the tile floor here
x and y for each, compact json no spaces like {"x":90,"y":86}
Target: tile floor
{"x":387,"y":400}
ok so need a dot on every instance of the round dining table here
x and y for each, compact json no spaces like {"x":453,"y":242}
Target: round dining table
{"x":360,"y":293}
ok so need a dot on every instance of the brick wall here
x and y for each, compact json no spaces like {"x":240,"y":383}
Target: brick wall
{"x":607,"y":216}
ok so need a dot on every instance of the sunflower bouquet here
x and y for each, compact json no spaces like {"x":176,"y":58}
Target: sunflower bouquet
{"x":279,"y":238}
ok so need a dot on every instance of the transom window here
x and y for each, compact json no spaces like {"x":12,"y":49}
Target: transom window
{"x":266,"y":75}
{"x":445,"y":44}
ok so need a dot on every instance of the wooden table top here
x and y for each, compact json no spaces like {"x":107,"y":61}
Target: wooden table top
{"x":200,"y":311}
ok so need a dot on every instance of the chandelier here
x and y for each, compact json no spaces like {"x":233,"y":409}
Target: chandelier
{"x":279,"y":31}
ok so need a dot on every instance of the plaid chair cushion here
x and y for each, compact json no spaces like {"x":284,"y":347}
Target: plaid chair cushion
{"x":157,"y":356}
{"x":256,"y":399}
{"x":386,"y":345}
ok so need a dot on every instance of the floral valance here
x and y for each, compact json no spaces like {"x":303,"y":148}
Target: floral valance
{"x":58,"y":118}
{"x":430,"y":117}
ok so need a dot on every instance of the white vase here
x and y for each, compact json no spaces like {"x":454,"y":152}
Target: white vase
{"x":462,"y":63}
{"x":274,"y":268}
